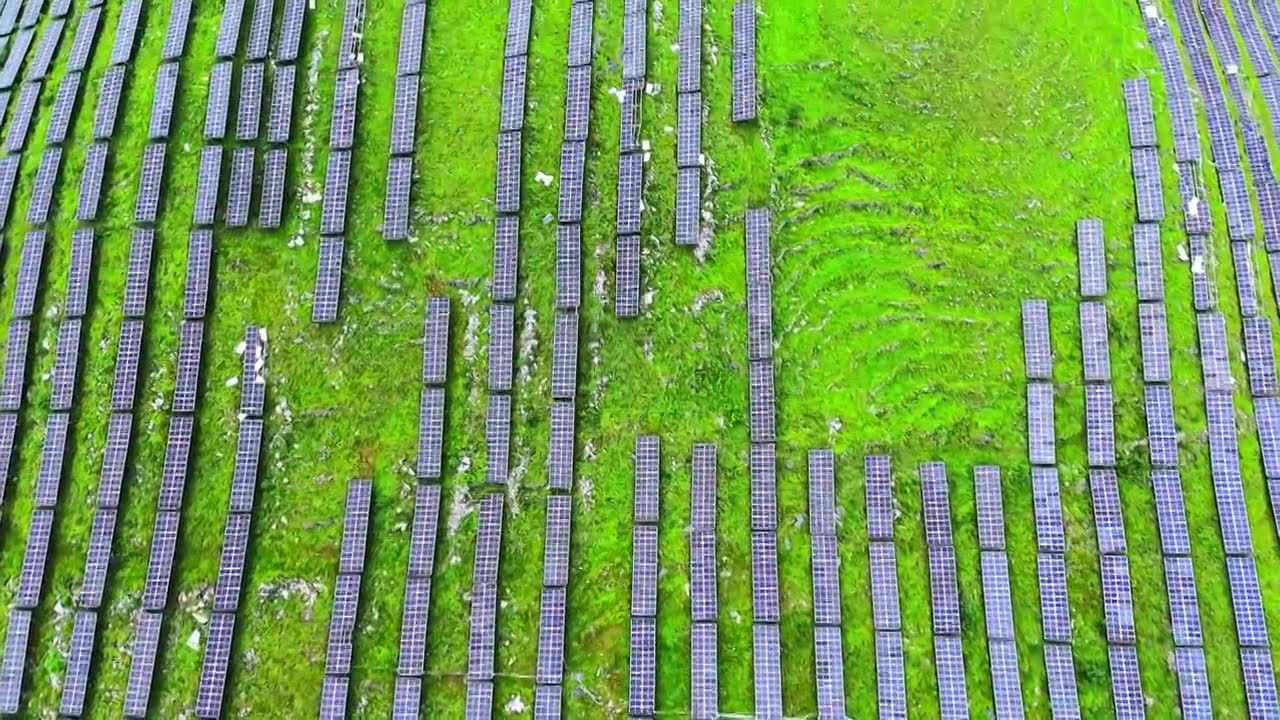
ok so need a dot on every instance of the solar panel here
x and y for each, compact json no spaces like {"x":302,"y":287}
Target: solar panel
{"x":1154,"y":334}
{"x":506,"y":253}
{"x":275,"y":163}
{"x":826,"y":580}
{"x":1246,"y":601}
{"x":1126,"y":683}
{"x":1054,"y":604}
{"x":513,"y":93}
{"x":996,"y":596}
{"x":703,"y":487}
{"x":404,"y":115}
{"x":702,"y":576}
{"x":744,"y":87}
{"x":431,"y":432}
{"x":1259,"y":357}
{"x":422,"y":540}
{"x":199,"y":260}
{"x":634,"y":47}
{"x":229,"y":29}
{"x":249,"y":114}
{"x":207,"y":184}
{"x":355,"y":528}
{"x":632,"y":100}
{"x":1108,"y":520}
{"x":260,"y":30}
{"x":82,"y":44}
{"x":15,"y":659}
{"x":413,"y":24}
{"x":148,"y":202}
{"x":52,"y":456}
{"x":1267,"y":415}
{"x":1193,"y":682}
{"x":891,"y":688}
{"x":880,"y":505}
{"x":1094,"y":342}
{"x":142,"y":664}
{"x":245,"y":478}
{"x":176,"y":460}
{"x":29,"y":273}
{"x":501,"y":346}
{"x":759,"y":322}
{"x":31,"y":580}
{"x":577,"y":112}
{"x":235,"y":544}
{"x":627,"y":276}
{"x":630,"y":179}
{"x":1040,"y":423}
{"x":937,"y":508}
{"x":342,"y":624}
{"x":990,"y":507}
{"x":480,"y":643}
{"x":413,"y":627}
{"x":166,"y":88}
{"x":1099,"y":426}
{"x":555,"y":551}
{"x":1259,"y":682}
{"x":561,"y":450}
{"x":498,"y":438}
{"x":688,"y":211}
{"x":280,"y":114}
{"x":1203,"y":288}
{"x":580,"y":20}
{"x":291,"y":30}
{"x":1146,"y":184}
{"x":66,"y":362}
{"x":886,"y":614}
{"x":572,"y":161}
{"x":1037,"y":355}
{"x":1235,"y":197}
{"x":129,"y":349}
{"x":239,"y":187}
{"x":705,"y":685}
{"x":175,"y":38}
{"x":1141,"y":118}
{"x":1214,"y":362}
{"x":17,"y":53}
{"x":829,"y":671}
{"x":1006,"y":684}
{"x":1117,"y":599}
{"x":45,"y":181}
{"x":764,"y":484}
{"x":1147,"y":261}
{"x":186,"y":386}
{"x":1162,"y":435}
{"x":689,"y":129}
{"x":822,"y":507}
{"x":764,"y":580}
{"x":1246,"y":289}
{"x":479,"y":700}
{"x":1184,"y":608}
{"x":518,"y":19}
{"x":8,"y":179}
{"x":641,"y":690}
{"x":215,"y":118}
{"x":952,"y":696}
{"x":333,"y":211}
{"x":568,"y":267}
{"x":346,"y":92}
{"x":942,"y":586}
{"x":761,"y":396}
{"x":15,"y":365}
{"x":507,"y":190}
{"x":63,"y":107}
{"x":127,"y":30}
{"x":550,"y":668}
{"x":1170,"y":512}
{"x":334,"y":690}
{"x":689,"y":77}
{"x":328,"y":280}
{"x":1091,"y":250}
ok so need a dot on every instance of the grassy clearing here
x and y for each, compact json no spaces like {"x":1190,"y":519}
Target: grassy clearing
{"x":925,"y":165}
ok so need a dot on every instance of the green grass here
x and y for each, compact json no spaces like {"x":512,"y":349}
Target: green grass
{"x":925,"y":164}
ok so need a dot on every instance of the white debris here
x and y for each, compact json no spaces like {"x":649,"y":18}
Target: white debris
{"x":193,"y":640}
{"x":1182,"y":252}
{"x":618,"y":93}
{"x":233,"y":381}
{"x":514,"y":706}
{"x":544,"y":178}
{"x":644,"y":145}
{"x":1197,"y":265}
{"x":241,"y":348}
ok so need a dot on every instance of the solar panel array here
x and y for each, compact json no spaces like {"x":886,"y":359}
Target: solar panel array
{"x":1162,"y":443}
{"x":688,"y":214}
{"x":1064,"y":697}
{"x":885,"y":610}
{"x":745,"y":102}
{"x":1002,"y":649}
{"x":703,"y":595}
{"x":426,"y":512}
{"x":404,"y":119}
{"x":644,"y":578}
{"x":564,"y":353}
{"x":935,"y":493}
{"x":333,"y":212}
{"x":763,"y":462}
{"x":346,"y":600}
{"x":828,"y":649}
{"x":235,"y":538}
{"x":280,"y":113}
{"x":1104,"y":489}
{"x":484,"y":602}
{"x":635,"y":63}
{"x":1219,"y":385}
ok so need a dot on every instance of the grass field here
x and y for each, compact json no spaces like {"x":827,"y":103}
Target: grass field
{"x":925,"y":164}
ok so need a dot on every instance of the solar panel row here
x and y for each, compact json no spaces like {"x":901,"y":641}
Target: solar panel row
{"x":644,"y":577}
{"x":744,"y":61}
{"x":828,"y":648}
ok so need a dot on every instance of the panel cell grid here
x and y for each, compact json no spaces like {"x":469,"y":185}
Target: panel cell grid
{"x":560,"y":454}
{"x":688,"y":211}
{"x":568,"y":267}
{"x":764,"y":487}
{"x":215,"y":117}
{"x":148,"y":202}
{"x":1041,"y":440}
{"x":128,"y":353}
{"x":328,"y":280}
{"x":577,"y":110}
{"x":1099,"y":426}
{"x":333,"y":210}
{"x":497,"y":438}
{"x":280,"y":114}
{"x":404,"y":115}
{"x":239,"y":187}
{"x":275,"y":163}
{"x":990,"y":507}
{"x":1094,"y":342}
{"x":627,"y":277}
{"x":1154,"y":335}
{"x":249,"y":112}
{"x":572,"y":162}
{"x":63,"y":107}
{"x":502,"y":319}
{"x":207,"y":184}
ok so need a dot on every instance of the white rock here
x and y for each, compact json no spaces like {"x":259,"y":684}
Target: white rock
{"x":233,"y":381}
{"x":544,"y":178}
{"x":193,"y":640}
